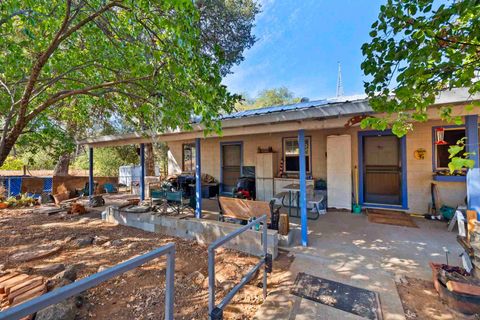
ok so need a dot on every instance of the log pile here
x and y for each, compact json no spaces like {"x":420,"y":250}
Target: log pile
{"x":16,"y":288}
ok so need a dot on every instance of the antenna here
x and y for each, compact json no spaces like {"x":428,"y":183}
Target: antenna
{"x":339,"y":81}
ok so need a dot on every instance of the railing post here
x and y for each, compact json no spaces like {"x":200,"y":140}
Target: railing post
{"x":90,"y":173}
{"x":265,"y":252}
{"x":198,"y":179}
{"x":142,"y":171}
{"x":211,"y":281}
{"x":170,"y":285}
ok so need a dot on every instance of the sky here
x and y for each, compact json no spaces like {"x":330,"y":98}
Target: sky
{"x":300,"y":43}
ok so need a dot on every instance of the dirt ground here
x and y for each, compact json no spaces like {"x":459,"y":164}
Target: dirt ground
{"x":137,"y":294}
{"x":421,"y":301}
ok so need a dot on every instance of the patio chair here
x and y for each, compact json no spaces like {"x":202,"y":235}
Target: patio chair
{"x":109,"y":188}
{"x":176,"y":201}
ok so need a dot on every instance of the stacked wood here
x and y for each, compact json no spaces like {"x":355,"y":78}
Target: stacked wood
{"x":16,"y":288}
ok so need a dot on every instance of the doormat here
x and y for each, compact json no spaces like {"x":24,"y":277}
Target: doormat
{"x":395,"y":218}
{"x":341,"y":296}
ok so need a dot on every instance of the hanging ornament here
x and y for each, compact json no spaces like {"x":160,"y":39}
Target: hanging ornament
{"x":440,"y":134}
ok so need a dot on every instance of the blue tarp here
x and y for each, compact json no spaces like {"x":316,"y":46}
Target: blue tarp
{"x":473,"y":190}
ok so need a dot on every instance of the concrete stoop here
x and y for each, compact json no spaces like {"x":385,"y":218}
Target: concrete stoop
{"x":279,"y":305}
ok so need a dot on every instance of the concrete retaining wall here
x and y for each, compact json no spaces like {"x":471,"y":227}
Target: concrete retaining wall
{"x":203,"y":231}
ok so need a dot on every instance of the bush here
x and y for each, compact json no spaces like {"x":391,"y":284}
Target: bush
{"x":12,"y":163}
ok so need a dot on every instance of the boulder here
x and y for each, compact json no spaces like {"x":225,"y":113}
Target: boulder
{"x":83,"y":242}
{"x":99,"y":240}
{"x":65,"y":310}
{"x":49,"y":270}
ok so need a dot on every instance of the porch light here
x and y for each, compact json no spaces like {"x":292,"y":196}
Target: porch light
{"x":440,"y":133}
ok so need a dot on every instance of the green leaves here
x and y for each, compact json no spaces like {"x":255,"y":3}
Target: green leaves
{"x":417,"y":50}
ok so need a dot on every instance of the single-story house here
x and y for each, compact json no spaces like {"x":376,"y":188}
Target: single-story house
{"x":393,"y":173}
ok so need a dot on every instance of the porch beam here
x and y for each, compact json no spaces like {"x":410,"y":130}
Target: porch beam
{"x":90,"y":173}
{"x":198,"y":180}
{"x":303,"y":187}
{"x":142,"y":171}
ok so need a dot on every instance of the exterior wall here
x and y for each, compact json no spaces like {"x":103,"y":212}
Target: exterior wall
{"x":419,"y":172}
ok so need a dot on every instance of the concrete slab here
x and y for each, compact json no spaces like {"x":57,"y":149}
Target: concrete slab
{"x":349,"y":249}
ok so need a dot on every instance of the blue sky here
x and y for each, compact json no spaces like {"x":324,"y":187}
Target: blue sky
{"x":299,"y":44}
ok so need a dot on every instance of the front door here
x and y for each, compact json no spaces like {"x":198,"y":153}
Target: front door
{"x":382,"y":170}
{"x":231,"y":154}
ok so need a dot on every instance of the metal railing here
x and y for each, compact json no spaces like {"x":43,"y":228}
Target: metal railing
{"x":216,"y":311}
{"x":81,"y":285}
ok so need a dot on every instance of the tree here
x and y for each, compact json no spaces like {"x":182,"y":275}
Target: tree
{"x":418,"y":49}
{"x":226,"y":29}
{"x":128,"y":59}
{"x":269,"y":97}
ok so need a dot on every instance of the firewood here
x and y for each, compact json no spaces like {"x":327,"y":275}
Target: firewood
{"x":8,"y":276}
{"x":35,"y":292}
{"x":24,"y":290}
{"x":13,"y":281}
{"x":11,"y":289}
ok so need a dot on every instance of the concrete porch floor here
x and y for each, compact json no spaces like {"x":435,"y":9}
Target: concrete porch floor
{"x":349,"y":249}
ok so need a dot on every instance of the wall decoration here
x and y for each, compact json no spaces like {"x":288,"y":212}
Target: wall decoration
{"x":419,"y":154}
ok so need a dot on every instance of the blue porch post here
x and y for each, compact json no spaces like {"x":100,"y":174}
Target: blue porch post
{"x":142,"y":171}
{"x":198,"y":180}
{"x":471,"y":130}
{"x":473,"y":187}
{"x":90,"y":172}
{"x":303,"y":187}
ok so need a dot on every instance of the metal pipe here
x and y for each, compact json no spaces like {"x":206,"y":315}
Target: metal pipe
{"x":246,"y":278}
{"x":211,"y":279}
{"x":170,"y":284}
{"x":81,"y":285}
{"x":265,"y":249}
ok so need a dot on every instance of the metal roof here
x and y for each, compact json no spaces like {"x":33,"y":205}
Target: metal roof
{"x":294,"y":107}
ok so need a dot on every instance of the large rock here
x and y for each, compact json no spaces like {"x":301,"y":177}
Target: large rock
{"x":38,"y":252}
{"x":83,"y":242}
{"x":65,"y":310}
{"x":49,"y":269}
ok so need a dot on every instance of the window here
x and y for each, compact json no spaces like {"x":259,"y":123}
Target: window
{"x":451,"y":136}
{"x":291,"y":154}
{"x":188,"y":163}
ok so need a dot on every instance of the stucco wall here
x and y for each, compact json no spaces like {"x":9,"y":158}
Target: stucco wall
{"x":419,"y":172}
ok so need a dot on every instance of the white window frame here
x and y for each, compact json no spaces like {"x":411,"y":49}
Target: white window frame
{"x":308,"y":153}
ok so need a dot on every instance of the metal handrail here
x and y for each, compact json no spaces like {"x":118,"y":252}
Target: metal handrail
{"x":81,"y":285}
{"x":216,"y":312}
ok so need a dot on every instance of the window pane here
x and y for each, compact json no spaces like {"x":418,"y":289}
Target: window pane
{"x":292,"y":153}
{"x":189,"y":157}
{"x":451,"y":137}
{"x":292,"y":163}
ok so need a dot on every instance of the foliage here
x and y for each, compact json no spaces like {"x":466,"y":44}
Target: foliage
{"x":419,"y":48}
{"x":23,"y":201}
{"x":267,"y":98}
{"x":107,"y":160}
{"x":82,"y":61}
{"x":12,"y":163}
{"x":226,"y":28}
{"x":458,"y":158}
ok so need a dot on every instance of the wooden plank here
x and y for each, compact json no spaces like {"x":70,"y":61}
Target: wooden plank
{"x":283,"y":224}
{"x":8,"y":276}
{"x":35,"y":292}
{"x":13,"y":281}
{"x":464,"y":288}
{"x":244,"y":209}
{"x":11,"y":289}
{"x":23,"y":290}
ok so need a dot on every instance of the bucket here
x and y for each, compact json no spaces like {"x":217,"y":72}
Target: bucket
{"x":357,"y":209}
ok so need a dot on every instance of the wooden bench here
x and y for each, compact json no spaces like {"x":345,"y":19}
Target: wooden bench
{"x":245,"y":210}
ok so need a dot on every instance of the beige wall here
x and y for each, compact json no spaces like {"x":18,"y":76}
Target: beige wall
{"x":419,"y":172}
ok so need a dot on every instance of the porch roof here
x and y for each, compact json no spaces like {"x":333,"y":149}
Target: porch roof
{"x":278,"y":118}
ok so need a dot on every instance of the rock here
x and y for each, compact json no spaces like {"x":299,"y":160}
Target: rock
{"x":57,"y":283}
{"x":83,"y":242}
{"x":197,"y":277}
{"x":49,"y":269}
{"x":39,"y":252}
{"x":102,"y":268}
{"x":116,"y":243}
{"x":99,"y":240}
{"x":70,"y":273}
{"x":133,"y":245}
{"x":68,"y":239}
{"x":65,"y":310}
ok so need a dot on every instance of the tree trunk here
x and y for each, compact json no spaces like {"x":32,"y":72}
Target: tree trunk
{"x":149,"y":160}
{"x":61,"y":169}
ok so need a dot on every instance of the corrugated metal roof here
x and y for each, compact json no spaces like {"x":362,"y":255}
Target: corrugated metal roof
{"x":324,"y":103}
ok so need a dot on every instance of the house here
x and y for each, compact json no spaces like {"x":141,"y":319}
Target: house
{"x":393,"y":173}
